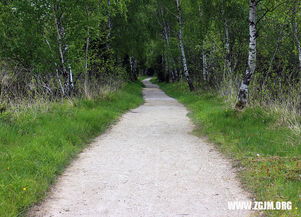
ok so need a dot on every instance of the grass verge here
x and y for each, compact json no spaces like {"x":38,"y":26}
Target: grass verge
{"x":267,"y":153}
{"x":35,"y":146}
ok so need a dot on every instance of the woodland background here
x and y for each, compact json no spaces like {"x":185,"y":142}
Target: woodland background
{"x":54,"y":48}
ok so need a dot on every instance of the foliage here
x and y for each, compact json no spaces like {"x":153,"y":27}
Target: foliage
{"x":215,"y":33}
{"x":48,"y":47}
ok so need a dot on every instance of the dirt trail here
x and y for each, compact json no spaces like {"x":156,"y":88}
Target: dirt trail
{"x":147,"y":165}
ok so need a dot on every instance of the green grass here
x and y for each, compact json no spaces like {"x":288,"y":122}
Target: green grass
{"x":35,"y":146}
{"x":142,"y":77}
{"x":270,"y":154}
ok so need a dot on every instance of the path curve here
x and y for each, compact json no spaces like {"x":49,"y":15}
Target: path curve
{"x":148,"y":165}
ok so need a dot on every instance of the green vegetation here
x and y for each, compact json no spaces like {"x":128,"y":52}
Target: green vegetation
{"x":267,"y":153}
{"x":37,"y":143}
{"x":55,"y":50}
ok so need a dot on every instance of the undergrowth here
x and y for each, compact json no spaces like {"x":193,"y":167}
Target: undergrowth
{"x":37,"y":143}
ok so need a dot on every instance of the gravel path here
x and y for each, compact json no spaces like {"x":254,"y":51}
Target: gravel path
{"x":147,"y":165}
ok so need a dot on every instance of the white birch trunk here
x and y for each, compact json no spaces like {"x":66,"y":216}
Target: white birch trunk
{"x":57,"y":71}
{"x":60,"y":82}
{"x":227,"y":47}
{"x":167,"y":55}
{"x":60,"y":31}
{"x":71,"y":83}
{"x":133,"y":68}
{"x":244,"y":88}
{"x":181,"y":44}
{"x":63,"y":49}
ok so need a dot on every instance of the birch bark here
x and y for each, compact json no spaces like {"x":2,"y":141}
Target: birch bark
{"x":227,"y":47}
{"x":63,"y":48}
{"x":133,"y":68}
{"x":244,"y":87}
{"x":57,"y":71}
{"x":181,"y":45}
{"x":169,"y":63}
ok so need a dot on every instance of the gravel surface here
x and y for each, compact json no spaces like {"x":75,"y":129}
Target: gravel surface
{"x":147,"y":165}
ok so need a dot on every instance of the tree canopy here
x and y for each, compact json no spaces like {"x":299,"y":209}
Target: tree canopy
{"x":61,"y":47}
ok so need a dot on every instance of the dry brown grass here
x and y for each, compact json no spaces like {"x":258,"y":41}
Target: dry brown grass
{"x":286,"y":107}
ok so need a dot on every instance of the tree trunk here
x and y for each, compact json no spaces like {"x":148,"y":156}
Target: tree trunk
{"x":181,"y":44}
{"x":57,"y":71}
{"x":60,"y":82}
{"x":228,"y":66}
{"x":133,"y":68}
{"x":227,"y":47}
{"x":296,"y":30}
{"x":70,"y":81}
{"x":86,"y":82}
{"x":63,"y":49}
{"x":244,"y":88}
{"x":205,"y":65}
{"x":169,"y":62}
{"x":166,"y":54}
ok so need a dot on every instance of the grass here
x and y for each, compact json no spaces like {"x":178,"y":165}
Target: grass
{"x":267,"y":153}
{"x":142,"y":77}
{"x":35,"y":146}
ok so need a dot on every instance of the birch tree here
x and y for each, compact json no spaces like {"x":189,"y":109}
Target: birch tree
{"x":170,"y":67}
{"x":244,"y":87}
{"x":181,"y":45}
{"x":63,"y":46}
{"x":228,"y":64}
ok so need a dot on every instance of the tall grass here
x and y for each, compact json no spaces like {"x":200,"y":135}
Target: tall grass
{"x":267,"y":153}
{"x":36,"y":143}
{"x":282,"y":101}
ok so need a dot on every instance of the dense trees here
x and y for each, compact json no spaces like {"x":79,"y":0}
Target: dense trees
{"x":52,"y":46}
{"x":249,"y":49}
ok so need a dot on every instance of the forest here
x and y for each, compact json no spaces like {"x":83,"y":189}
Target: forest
{"x":60,"y":58}
{"x":52,"y":49}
